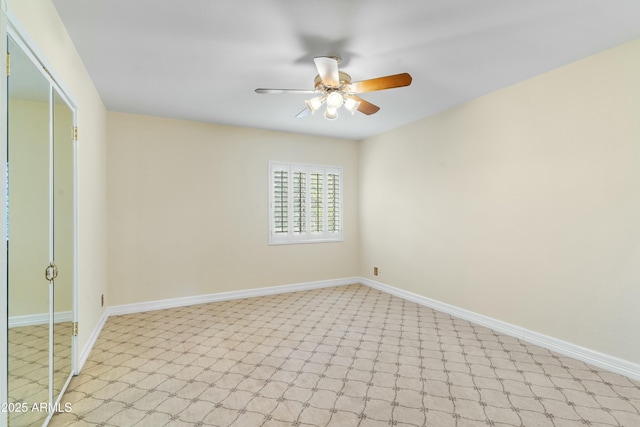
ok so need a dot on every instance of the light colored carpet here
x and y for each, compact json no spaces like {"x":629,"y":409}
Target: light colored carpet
{"x":28,"y":367}
{"x":343,"y":356}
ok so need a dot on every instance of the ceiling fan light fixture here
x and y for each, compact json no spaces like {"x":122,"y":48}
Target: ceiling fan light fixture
{"x":335,"y":100}
{"x":351,"y":105}
{"x":331,"y":113}
{"x":334,"y":87}
{"x":314,"y":104}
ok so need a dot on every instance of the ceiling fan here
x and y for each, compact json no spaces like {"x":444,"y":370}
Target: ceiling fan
{"x":334,"y":87}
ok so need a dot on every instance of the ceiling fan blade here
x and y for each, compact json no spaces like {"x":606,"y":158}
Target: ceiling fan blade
{"x":278,"y":91}
{"x":303,"y":113}
{"x":328,"y":70}
{"x":365,"y":106}
{"x":381,"y":83}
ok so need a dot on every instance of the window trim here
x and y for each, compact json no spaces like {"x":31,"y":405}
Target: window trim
{"x":307,"y":236}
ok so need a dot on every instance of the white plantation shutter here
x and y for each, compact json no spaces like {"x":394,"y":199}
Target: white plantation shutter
{"x":317,"y":211}
{"x":334,"y":207}
{"x":281,"y":201}
{"x":305,"y":203}
{"x":299,"y":202}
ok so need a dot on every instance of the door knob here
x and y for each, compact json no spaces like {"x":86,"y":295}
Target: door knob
{"x":51,"y":272}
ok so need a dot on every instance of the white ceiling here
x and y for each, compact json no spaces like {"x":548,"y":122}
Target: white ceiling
{"x":202,"y":59}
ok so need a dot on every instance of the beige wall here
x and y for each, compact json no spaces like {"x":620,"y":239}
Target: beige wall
{"x":523,"y":205}
{"x":45,"y":29}
{"x":188,"y":209}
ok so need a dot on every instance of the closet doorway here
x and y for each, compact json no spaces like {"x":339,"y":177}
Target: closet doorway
{"x":41,"y":238}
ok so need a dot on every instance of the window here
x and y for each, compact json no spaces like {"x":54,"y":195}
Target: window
{"x":305,"y":203}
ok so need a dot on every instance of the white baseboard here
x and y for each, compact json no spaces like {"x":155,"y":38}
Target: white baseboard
{"x":84,"y":355}
{"x":39,"y":319}
{"x":601,"y":360}
{"x":227,"y":296}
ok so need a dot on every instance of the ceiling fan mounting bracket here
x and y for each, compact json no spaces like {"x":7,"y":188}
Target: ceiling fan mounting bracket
{"x":345,"y":79}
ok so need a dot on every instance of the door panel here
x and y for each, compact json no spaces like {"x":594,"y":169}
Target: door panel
{"x":63,"y":240}
{"x":28,"y":153}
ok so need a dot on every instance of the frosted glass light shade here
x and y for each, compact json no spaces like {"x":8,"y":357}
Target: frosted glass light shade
{"x":335,"y":100}
{"x":313,"y":104}
{"x":331,"y":113}
{"x":351,"y":105}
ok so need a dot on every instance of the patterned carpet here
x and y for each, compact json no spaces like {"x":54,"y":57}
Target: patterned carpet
{"x":28,"y":361}
{"x":28,"y":371}
{"x":343,"y":356}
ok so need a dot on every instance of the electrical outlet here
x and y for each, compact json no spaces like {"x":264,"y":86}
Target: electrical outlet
{"x":375,"y":271}
{"x":102,"y":300}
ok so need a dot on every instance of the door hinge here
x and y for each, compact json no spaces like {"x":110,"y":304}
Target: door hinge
{"x":75,"y":133}
{"x":8,"y":64}
{"x":75,"y":329}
